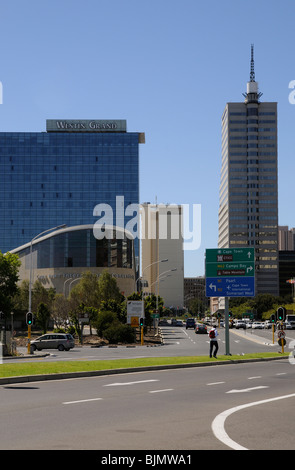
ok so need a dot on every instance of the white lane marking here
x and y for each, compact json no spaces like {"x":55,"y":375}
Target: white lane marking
{"x":131,"y":383}
{"x":282,"y":373}
{"x":247,"y":389}
{"x":80,"y":401}
{"x":216,"y":383}
{"x":218,"y":423}
{"x":164,"y":390}
{"x":257,"y":377}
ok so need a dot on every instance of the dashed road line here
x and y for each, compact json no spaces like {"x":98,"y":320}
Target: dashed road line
{"x":81,"y":401}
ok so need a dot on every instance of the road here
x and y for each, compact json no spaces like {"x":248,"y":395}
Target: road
{"x":217,"y":407}
{"x":177,"y":341}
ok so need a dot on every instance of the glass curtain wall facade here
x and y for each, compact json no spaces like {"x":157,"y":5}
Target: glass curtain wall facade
{"x":53,"y":178}
{"x":79,"y":248}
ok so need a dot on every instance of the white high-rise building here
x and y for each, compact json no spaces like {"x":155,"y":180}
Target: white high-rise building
{"x":248,"y":199}
{"x":162,"y":254}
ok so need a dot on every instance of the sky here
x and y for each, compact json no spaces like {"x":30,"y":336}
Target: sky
{"x":166,"y":66}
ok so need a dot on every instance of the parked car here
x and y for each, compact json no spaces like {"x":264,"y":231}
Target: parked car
{"x":179,"y":323}
{"x":240,"y":324}
{"x":201,"y":328}
{"x":163,"y":322}
{"x":190,"y":323}
{"x":60,"y":341}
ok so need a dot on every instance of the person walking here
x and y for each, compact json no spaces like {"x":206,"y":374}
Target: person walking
{"x":213,"y":333}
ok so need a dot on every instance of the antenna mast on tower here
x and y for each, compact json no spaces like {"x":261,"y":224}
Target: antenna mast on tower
{"x":252,"y":73}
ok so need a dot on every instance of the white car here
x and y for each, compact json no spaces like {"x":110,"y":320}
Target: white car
{"x":257,"y":325}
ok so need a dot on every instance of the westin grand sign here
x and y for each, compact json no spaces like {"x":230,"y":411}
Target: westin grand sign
{"x":77,"y":125}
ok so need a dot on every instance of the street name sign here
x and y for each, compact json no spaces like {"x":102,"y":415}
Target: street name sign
{"x":230,"y":272}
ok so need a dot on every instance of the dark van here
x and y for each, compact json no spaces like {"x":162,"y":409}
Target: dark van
{"x":190,"y":323}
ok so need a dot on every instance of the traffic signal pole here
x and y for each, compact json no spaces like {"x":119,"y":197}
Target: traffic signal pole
{"x":29,"y":321}
{"x":29,"y":339}
{"x":141,"y":324}
{"x":226,"y":323}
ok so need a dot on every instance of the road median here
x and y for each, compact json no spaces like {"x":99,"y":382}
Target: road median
{"x":29,"y":372}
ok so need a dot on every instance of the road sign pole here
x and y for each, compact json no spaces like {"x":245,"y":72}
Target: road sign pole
{"x":226,"y":318}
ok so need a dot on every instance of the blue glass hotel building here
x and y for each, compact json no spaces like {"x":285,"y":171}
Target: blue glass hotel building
{"x":59,"y":176}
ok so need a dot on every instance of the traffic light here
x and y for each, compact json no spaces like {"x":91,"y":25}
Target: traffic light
{"x":141,"y":322}
{"x":273,"y":318}
{"x":281,"y":314}
{"x":29,"y":318}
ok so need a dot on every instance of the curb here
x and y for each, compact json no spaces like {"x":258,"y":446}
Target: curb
{"x":24,"y":356}
{"x":97,"y":373}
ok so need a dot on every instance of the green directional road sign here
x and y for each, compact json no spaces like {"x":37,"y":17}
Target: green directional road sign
{"x":230,"y":272}
{"x":218,"y":255}
{"x":229,"y":269}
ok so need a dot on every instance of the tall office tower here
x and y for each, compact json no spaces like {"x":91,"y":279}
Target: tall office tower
{"x":162,"y":252}
{"x":60,"y":176}
{"x":286,"y":238}
{"x":248,"y":199}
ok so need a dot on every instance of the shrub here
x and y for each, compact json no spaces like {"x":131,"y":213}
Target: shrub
{"x":119,"y":333}
{"x":71,"y":330}
{"x":104,"y":320}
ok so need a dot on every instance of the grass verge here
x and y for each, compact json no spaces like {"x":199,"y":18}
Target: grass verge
{"x":30,"y":368}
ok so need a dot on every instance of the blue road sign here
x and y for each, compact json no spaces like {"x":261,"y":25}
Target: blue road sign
{"x":230,"y":286}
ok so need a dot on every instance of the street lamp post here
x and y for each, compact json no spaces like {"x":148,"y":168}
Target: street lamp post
{"x":155,"y":262}
{"x":31,"y":271}
{"x":168,"y":271}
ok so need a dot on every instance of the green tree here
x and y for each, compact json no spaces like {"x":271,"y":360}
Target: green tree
{"x":108,"y":288}
{"x":41,"y":295}
{"x":150,"y":304}
{"x":87,"y":290}
{"x":43,"y":316}
{"x":60,"y":311}
{"x":21,"y":299}
{"x":9,"y":276}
